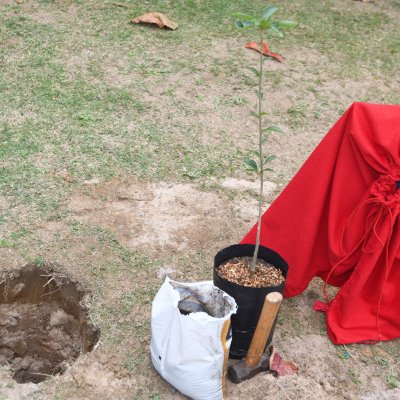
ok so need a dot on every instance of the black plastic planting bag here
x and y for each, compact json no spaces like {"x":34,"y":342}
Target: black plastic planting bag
{"x":249,"y":300}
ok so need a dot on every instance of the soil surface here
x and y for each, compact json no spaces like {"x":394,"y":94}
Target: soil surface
{"x":42,"y":324}
{"x":36,"y":339}
{"x":238,"y":271}
{"x":164,"y":217}
{"x":115,"y":371}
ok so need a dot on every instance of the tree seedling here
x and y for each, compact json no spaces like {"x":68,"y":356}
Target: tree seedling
{"x":259,"y":162}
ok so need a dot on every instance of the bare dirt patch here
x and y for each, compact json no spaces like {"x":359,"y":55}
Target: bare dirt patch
{"x":246,"y":209}
{"x":161,"y":217}
{"x":48,"y":230}
{"x":65,"y":13}
{"x":243,"y":185}
{"x":322,"y":374}
{"x":374,"y":6}
{"x":43,"y":324}
{"x":11,"y":391}
{"x":116,"y":73}
{"x":78,"y":64}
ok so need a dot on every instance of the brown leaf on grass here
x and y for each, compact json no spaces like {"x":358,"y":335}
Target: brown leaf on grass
{"x":281,"y":367}
{"x":155,"y":18}
{"x":266,"y":51}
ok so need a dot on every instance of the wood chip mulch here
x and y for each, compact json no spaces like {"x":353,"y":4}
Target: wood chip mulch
{"x":237,"y":270}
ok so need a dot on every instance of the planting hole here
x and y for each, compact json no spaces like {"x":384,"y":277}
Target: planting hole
{"x":43,"y":323}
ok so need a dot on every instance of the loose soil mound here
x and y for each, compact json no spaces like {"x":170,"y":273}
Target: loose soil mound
{"x":237,"y":270}
{"x":43,"y":323}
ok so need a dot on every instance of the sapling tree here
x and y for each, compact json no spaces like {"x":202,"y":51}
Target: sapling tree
{"x":260,"y":160}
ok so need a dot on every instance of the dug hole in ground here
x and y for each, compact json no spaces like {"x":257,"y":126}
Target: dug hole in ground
{"x":44,"y":324}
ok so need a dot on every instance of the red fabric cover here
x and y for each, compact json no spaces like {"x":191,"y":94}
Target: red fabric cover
{"x":338,"y":219}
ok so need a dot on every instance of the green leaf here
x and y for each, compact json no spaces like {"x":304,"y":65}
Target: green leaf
{"x":251,"y":164}
{"x":259,"y":94}
{"x":268,"y":170}
{"x":275,"y":29}
{"x":243,"y":16}
{"x":275,"y":25}
{"x":264,"y":24}
{"x":256,"y":153}
{"x":254,"y":70}
{"x":244,"y":20}
{"x":274,"y":129}
{"x":268,"y":159}
{"x":257,"y":115}
{"x":269,"y":12}
{"x":244,"y":24}
{"x":287,"y":24}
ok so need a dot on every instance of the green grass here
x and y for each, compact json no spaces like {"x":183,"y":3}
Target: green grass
{"x":67,"y":122}
{"x":74,"y":113}
{"x":393,"y":380}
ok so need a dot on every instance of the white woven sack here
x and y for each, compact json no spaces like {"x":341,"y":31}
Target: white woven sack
{"x":191,"y":351}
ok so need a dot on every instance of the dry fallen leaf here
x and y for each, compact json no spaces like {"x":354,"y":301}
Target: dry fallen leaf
{"x":266,"y":51}
{"x":155,"y":18}
{"x":281,"y":367}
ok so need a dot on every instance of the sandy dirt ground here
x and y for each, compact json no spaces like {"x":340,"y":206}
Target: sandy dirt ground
{"x":325,"y":371}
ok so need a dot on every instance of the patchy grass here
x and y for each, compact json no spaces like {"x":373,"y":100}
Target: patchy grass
{"x":87,"y":97}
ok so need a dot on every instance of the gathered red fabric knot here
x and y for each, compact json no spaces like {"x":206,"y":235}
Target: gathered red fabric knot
{"x":385,"y":192}
{"x":385,"y":188}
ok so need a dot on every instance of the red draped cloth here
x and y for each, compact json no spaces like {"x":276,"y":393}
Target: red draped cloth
{"x":338,"y":219}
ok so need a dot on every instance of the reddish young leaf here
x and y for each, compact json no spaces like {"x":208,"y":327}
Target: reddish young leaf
{"x":280,"y":366}
{"x":155,"y":18}
{"x":266,"y":51}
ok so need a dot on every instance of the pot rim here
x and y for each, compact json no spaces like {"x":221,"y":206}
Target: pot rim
{"x":284,"y":268}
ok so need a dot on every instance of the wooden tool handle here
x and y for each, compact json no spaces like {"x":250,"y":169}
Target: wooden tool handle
{"x":270,"y":308}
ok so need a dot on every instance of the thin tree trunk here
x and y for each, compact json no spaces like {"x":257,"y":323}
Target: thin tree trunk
{"x":260,"y":150}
